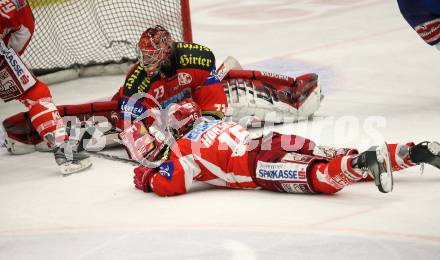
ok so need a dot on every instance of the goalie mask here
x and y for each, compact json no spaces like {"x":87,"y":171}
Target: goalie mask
{"x":153,"y":47}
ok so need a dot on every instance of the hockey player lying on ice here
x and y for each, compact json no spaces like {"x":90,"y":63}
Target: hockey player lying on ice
{"x":221,"y":153}
{"x":168,"y":72}
{"x":18,"y":83}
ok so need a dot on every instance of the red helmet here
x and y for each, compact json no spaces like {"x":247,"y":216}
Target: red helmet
{"x":153,"y":47}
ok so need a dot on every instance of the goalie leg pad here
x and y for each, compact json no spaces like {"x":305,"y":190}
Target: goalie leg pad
{"x":92,"y":119}
{"x":107,"y":109}
{"x":307,"y":94}
{"x":22,"y":136}
{"x":271,"y":97}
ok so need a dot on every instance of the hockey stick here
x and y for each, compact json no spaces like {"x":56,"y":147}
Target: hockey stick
{"x":87,"y":136}
{"x":111,"y":157}
{"x":228,"y":64}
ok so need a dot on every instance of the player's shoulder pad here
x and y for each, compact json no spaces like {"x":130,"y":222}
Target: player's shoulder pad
{"x":137,"y":81}
{"x":193,"y":56}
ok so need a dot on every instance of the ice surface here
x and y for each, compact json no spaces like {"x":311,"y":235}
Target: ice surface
{"x":375,"y":71}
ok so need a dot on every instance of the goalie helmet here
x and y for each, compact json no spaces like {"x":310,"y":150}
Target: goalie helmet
{"x":183,"y":116}
{"x":153,"y":47}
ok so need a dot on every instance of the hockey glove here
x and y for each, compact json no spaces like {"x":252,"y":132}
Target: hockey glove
{"x":142,"y":177}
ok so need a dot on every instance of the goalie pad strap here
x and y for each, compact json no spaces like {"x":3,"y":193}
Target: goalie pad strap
{"x":108,"y":109}
{"x":268,"y":77}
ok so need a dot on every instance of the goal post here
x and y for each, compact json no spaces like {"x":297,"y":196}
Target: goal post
{"x":75,"y":38}
{"x":186,"y":21}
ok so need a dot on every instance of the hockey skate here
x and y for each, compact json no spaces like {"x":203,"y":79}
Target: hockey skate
{"x":426,"y":152}
{"x":69,"y":160}
{"x":376,"y":162}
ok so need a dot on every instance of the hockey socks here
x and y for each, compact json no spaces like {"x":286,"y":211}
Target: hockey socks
{"x":404,"y":156}
{"x":333,"y":176}
{"x":46,"y":119}
{"x":43,"y":113}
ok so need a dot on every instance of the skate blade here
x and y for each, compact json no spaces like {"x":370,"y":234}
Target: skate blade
{"x":385,"y":181}
{"x":71,"y":168}
{"x":434,"y":148}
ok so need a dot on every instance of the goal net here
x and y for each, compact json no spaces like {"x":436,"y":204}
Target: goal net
{"x":79,"y":34}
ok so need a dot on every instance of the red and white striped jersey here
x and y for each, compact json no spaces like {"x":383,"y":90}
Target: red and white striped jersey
{"x":16,"y":24}
{"x":213,"y":152}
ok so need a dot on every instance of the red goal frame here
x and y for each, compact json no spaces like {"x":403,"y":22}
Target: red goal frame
{"x":186,"y":20}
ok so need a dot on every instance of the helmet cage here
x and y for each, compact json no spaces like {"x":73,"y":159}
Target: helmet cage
{"x":153,"y":46}
{"x":150,"y":57}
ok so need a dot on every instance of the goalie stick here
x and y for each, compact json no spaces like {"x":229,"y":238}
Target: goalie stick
{"x":230,"y":63}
